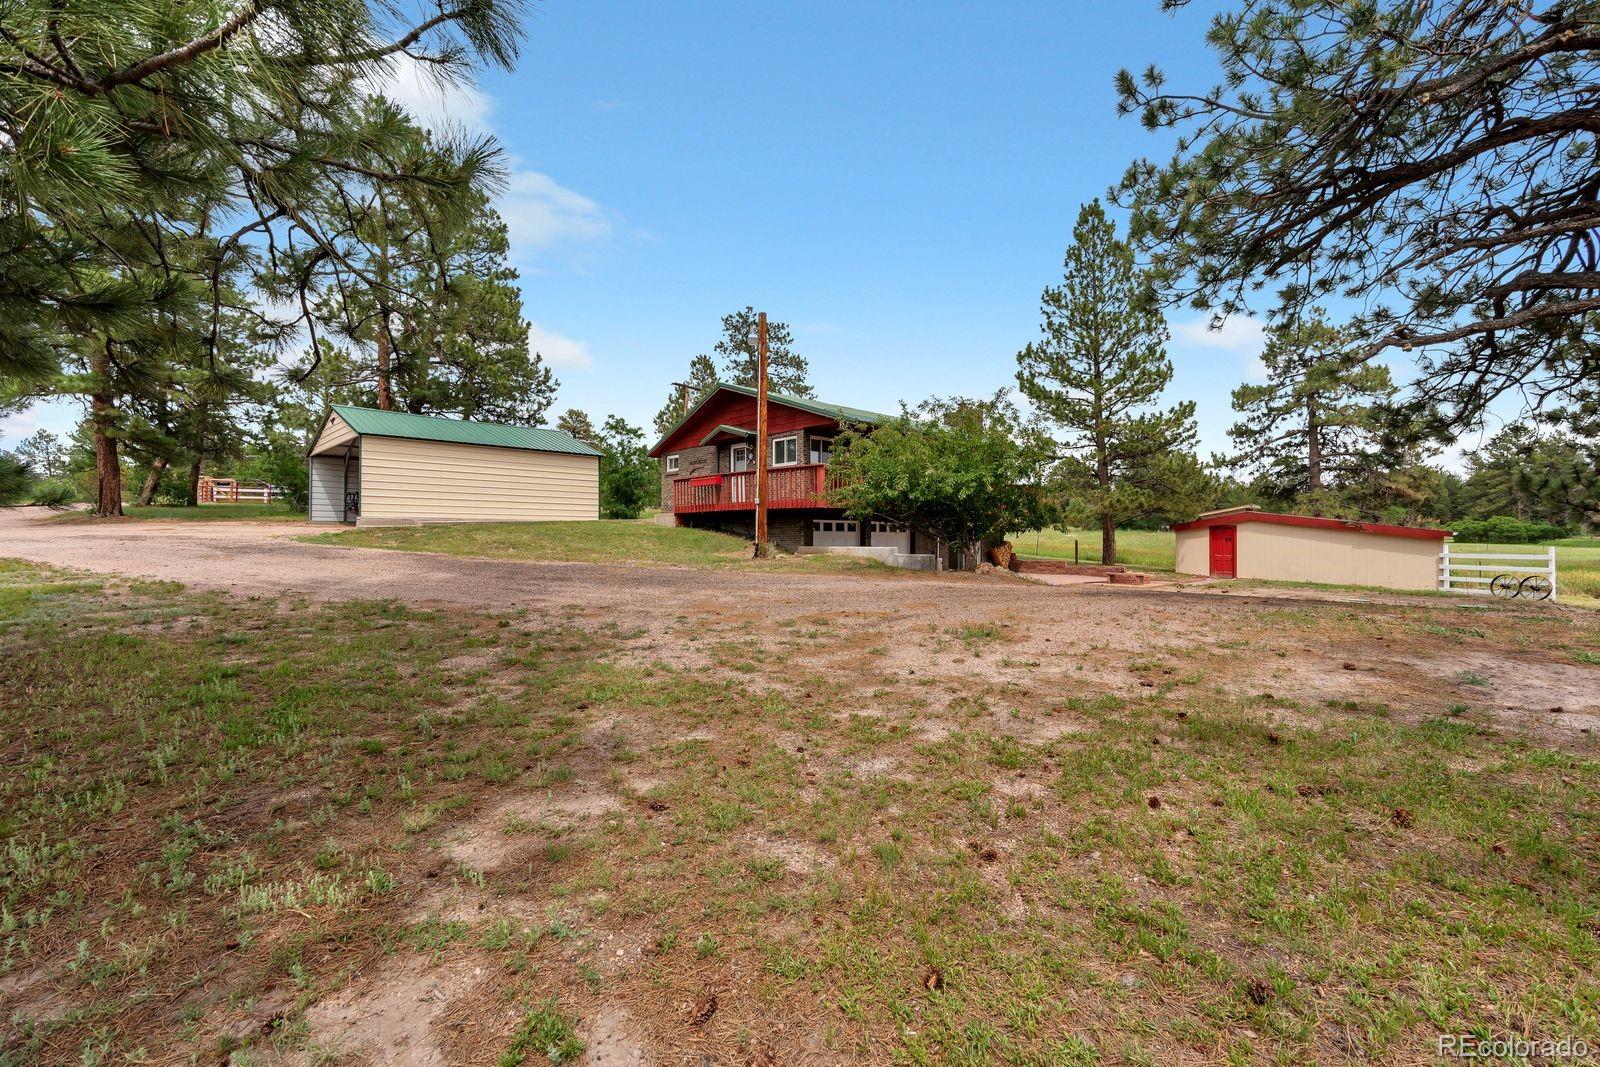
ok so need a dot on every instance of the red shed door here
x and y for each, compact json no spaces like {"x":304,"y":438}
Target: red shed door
{"x":1222,"y":551}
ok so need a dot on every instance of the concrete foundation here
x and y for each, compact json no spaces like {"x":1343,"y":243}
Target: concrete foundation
{"x":911,"y":561}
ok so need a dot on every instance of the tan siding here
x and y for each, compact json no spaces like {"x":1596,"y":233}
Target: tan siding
{"x":1193,"y":551}
{"x":435,"y":481}
{"x":1336,"y":557}
{"x":336,"y":433}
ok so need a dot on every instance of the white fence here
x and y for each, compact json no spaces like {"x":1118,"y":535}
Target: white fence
{"x":1463,"y":571}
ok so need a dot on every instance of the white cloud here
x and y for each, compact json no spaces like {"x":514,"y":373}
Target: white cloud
{"x":541,"y":212}
{"x":15,"y":427}
{"x":1240,"y":334}
{"x":433,"y":103}
{"x":558,"y":349}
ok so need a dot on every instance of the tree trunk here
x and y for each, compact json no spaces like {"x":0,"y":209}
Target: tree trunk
{"x":1108,"y":521}
{"x":385,"y":395}
{"x":148,"y":493}
{"x":107,"y":466}
{"x":192,"y":497}
{"x":1313,"y":447}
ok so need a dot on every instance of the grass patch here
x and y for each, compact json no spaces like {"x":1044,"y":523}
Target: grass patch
{"x":545,"y":1034}
{"x":203,"y":513}
{"x":606,"y":541}
{"x":218,"y":811}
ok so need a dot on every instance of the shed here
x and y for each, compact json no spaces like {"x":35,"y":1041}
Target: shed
{"x":376,"y":468}
{"x":1247,"y":543}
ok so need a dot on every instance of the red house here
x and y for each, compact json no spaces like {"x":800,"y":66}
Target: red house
{"x":708,"y":471}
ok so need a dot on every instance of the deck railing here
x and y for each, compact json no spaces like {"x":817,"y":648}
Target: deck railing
{"x":804,"y":486}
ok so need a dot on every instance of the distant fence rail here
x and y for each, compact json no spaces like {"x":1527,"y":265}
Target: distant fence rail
{"x":1531,"y":575}
{"x":233,"y":491}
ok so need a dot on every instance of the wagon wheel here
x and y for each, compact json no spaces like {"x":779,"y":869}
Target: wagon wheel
{"x":1505,"y":585}
{"x":1534,"y":587}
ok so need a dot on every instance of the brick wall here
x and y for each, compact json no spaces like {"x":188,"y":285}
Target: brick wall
{"x":701,"y":459}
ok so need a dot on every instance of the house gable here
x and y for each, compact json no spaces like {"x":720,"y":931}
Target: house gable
{"x":730,"y":409}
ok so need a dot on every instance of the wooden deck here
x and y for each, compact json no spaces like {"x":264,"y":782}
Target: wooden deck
{"x":803,"y":486}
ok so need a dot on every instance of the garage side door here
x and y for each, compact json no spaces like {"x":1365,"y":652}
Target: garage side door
{"x":835,"y":533}
{"x":888,"y":535}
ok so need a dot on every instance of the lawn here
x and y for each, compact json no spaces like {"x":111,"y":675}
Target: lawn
{"x":1150,"y":550}
{"x":606,"y":541}
{"x":277,"y":830}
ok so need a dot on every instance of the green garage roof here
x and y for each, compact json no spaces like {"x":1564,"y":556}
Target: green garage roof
{"x":371,"y":421}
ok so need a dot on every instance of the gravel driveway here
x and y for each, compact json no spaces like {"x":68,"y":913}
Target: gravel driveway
{"x":1301,"y":647}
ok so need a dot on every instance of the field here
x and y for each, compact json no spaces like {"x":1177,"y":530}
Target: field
{"x":607,"y":541}
{"x":911,"y":822}
{"x":1577,"y":558}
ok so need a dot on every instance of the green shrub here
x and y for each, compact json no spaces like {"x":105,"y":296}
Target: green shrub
{"x":1505,"y":530}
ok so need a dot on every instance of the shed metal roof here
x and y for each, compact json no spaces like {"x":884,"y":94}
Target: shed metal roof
{"x":1249,"y":513}
{"x":376,"y":423}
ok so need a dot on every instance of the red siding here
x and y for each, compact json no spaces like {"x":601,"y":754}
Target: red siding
{"x":736,"y":409}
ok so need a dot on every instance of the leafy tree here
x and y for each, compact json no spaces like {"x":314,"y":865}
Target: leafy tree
{"x":786,"y":368}
{"x":627,"y":474}
{"x":1098,"y":372}
{"x":702,"y":378}
{"x":965,"y":471}
{"x":1310,"y":426}
{"x":578,"y":425}
{"x":1436,"y":159}
{"x":44,"y":452}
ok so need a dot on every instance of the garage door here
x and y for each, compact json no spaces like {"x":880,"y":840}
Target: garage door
{"x":888,"y":535}
{"x":835,"y":533}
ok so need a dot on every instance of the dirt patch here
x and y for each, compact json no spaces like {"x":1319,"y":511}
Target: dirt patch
{"x":484,"y":843}
{"x":388,"y":1016}
{"x":612,"y":1038}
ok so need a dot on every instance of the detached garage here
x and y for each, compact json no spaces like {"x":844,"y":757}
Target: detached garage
{"x":1246,"y":543}
{"x":376,"y":468}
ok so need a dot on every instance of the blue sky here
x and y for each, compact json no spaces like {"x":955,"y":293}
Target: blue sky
{"x":896,"y":181}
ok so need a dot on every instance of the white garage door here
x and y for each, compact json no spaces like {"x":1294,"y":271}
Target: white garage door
{"x":835,"y":533}
{"x":888,"y":535}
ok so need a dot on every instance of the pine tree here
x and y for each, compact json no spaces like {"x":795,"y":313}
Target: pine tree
{"x":786,"y":368}
{"x":44,"y":452}
{"x":1311,"y":425}
{"x":422,"y":299}
{"x":133,"y":131}
{"x":701,"y":379}
{"x":1098,"y":372}
{"x":578,"y":424}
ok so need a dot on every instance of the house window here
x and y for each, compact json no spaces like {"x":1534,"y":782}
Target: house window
{"x":741,"y":458}
{"x":785,"y":451}
{"x":672,"y":464}
{"x":821,"y":450}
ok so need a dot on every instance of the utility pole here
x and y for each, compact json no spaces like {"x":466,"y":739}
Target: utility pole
{"x":683,"y":390}
{"x":762,"y":548}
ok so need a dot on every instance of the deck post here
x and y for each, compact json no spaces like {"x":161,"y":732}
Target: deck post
{"x":762,"y":548}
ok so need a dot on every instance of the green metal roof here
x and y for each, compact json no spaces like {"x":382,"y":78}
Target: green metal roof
{"x":817,"y":407}
{"x":375,"y":423}
{"x":722,"y":427}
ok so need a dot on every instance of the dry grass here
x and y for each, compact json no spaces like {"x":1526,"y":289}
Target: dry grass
{"x":233,"y":826}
